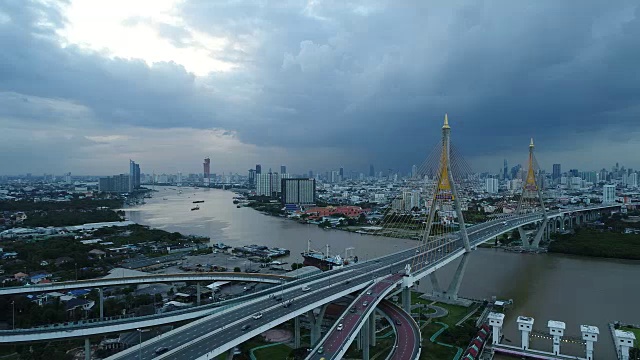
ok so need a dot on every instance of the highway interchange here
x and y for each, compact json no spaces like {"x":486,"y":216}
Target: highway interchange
{"x":205,"y":337}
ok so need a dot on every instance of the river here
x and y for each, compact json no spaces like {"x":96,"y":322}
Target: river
{"x":576,"y":290}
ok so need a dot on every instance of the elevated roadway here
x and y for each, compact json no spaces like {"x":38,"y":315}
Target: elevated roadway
{"x":336,"y":343}
{"x":197,"y":339}
{"x":145,"y":279}
{"x":408,"y":337}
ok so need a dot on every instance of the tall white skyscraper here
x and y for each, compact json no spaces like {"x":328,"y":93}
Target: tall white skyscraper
{"x":414,"y":171}
{"x":491,"y":185}
{"x":608,"y":193}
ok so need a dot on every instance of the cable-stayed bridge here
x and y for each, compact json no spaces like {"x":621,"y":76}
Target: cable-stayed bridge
{"x":444,"y":238}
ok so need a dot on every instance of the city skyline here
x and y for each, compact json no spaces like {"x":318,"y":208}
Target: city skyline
{"x":181,"y":88}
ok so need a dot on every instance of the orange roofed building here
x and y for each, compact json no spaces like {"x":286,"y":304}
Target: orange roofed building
{"x":348,"y":211}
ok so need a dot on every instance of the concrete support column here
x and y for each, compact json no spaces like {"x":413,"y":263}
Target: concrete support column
{"x":406,"y":299}
{"x":372,"y":328}
{"x":315,"y":322}
{"x":523,"y":237}
{"x":87,"y":349}
{"x":435,"y":285}
{"x":198,"y":293}
{"x":365,"y":340}
{"x":296,"y":332}
{"x":454,"y":286}
{"x":100,"y":292}
{"x":539,"y":233}
{"x":359,"y":341}
{"x":230,"y":354}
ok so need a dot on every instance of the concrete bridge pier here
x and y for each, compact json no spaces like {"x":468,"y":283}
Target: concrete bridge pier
{"x":198,"y":293}
{"x":101,"y":294}
{"x":435,"y":285}
{"x":523,"y":236}
{"x":364,"y":331}
{"x":372,"y":328}
{"x":315,"y":322}
{"x":454,"y":286}
{"x":87,"y":349}
{"x":296,"y":332}
{"x":230,"y":354}
{"x":540,"y":233}
{"x":406,"y":299}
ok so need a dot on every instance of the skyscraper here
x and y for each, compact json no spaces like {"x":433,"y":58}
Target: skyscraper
{"x":207,"y":171}
{"x":372,"y":173}
{"x":491,"y":185}
{"x":505,"y":169}
{"x":608,"y":193}
{"x":556,"y":172}
{"x":341,"y":173}
{"x":258,"y":169}
{"x":283,"y":169}
{"x":134,"y":175}
{"x":298,"y":191}
{"x":414,"y":171}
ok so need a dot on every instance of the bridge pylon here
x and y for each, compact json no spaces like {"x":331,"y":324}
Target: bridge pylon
{"x":531,"y":199}
{"x":445,"y":210}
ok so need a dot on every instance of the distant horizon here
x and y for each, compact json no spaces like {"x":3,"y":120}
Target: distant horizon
{"x":315,"y":84}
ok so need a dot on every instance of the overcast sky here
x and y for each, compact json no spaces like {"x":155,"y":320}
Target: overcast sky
{"x":85,"y":85}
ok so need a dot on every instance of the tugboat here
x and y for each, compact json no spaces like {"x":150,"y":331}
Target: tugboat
{"x":325,"y":262}
{"x":198,"y":201}
{"x":195,"y":208}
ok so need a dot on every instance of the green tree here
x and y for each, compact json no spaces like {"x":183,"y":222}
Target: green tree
{"x":236,"y":269}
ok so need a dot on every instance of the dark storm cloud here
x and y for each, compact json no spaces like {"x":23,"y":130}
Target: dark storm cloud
{"x":371,"y":77}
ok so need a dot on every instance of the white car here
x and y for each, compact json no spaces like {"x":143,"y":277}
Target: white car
{"x":257,"y":316}
{"x":305,"y":288}
{"x":369,"y":292}
{"x":339,"y":328}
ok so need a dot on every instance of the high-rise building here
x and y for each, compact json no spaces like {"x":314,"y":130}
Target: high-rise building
{"x":299,"y":191}
{"x":179,"y":179}
{"x":252,"y":177}
{"x":258,"y":169}
{"x":632,"y":180}
{"x":283,"y":169}
{"x":608,"y":194}
{"x":311,"y":174}
{"x":505,"y":170}
{"x":556,"y":172}
{"x":414,"y":171}
{"x":491,"y":185}
{"x":269,"y":184}
{"x":372,"y":173}
{"x":134,"y":175}
{"x":67,"y":178}
{"x":117,"y":183}
{"x":206,"y":172}
{"x":341,"y":173}
{"x":263,"y":184}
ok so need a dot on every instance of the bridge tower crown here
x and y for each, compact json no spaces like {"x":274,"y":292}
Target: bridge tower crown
{"x":530,"y":188}
{"x":446,"y":187}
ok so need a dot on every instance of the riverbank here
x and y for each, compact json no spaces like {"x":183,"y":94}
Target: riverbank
{"x":598,"y":243}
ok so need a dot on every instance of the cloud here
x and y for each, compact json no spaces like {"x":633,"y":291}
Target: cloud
{"x":359,"y":82}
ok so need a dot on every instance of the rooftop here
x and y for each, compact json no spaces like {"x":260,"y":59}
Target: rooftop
{"x":556,"y":324}
{"x":589,"y":329}
{"x":623,"y":334}
{"x":525,"y":319}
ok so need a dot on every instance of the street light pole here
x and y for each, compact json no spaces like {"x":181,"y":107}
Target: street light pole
{"x":140,"y":343}
{"x":13,"y":312}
